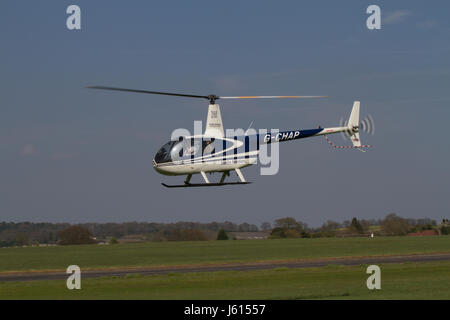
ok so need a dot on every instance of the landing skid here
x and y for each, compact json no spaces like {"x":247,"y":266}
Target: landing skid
{"x":207,"y":183}
{"x":187,"y":185}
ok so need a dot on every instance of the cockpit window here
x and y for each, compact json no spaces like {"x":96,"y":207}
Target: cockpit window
{"x":184,"y":149}
{"x":208,"y":147}
{"x":163,"y":154}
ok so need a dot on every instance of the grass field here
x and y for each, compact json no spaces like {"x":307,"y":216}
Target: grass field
{"x":206,"y":252}
{"x":398,"y":281}
{"x":427,"y":280}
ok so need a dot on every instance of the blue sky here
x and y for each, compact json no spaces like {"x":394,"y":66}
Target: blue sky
{"x":76,"y":155}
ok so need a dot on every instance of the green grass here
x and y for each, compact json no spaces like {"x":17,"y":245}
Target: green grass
{"x":398,"y":281}
{"x":205,"y":252}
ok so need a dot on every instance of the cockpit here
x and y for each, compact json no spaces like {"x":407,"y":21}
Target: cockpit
{"x":163,"y":154}
{"x":184,"y":149}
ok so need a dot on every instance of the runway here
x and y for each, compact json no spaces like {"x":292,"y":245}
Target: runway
{"x":347,"y":261}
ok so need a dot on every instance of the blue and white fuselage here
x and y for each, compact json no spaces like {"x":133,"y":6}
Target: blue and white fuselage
{"x":213,"y":152}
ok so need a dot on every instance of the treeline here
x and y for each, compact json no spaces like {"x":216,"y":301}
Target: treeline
{"x":28,"y":233}
{"x":120,"y":230}
{"x":391,"y":225}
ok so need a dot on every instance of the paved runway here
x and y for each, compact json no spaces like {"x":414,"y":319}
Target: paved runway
{"x":350,"y":261}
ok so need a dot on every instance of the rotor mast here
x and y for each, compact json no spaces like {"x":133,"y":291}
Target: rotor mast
{"x":212,"y":98}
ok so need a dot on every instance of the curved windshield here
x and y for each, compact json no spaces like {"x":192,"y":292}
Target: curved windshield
{"x":163,"y":154}
{"x":184,"y":149}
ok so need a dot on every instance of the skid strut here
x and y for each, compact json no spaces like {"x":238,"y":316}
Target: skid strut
{"x":204,"y":176}
{"x":224,"y":174}
{"x":208,"y":183}
{"x":188,"y":178}
{"x":239,"y":173}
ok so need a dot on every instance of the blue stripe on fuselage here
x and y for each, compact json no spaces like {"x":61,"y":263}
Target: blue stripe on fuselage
{"x":286,"y":135}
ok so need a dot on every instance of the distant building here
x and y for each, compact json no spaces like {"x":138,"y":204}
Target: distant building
{"x":259,"y":235}
{"x":354,"y":235}
{"x":132,"y":238}
{"x":423,"y":233}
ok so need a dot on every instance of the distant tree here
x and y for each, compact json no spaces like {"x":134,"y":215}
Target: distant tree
{"x":75,"y":235}
{"x":328,"y":229}
{"x":355,"y":226}
{"x":246,"y":227}
{"x":266,"y":226}
{"x":445,"y":230}
{"x":22,"y":239}
{"x":230,"y":226}
{"x":445,"y":227}
{"x":113,"y":241}
{"x":426,"y":221}
{"x":277,"y":233}
{"x":395,"y":225}
{"x":222,"y":235}
{"x":329,"y":226}
{"x":365,"y":224}
{"x":288,"y":227}
{"x":305,"y":234}
{"x":157,"y":236}
{"x":292,"y":233}
{"x":286,"y":223}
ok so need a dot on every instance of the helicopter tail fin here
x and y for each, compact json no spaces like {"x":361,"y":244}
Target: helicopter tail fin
{"x":353,"y":125}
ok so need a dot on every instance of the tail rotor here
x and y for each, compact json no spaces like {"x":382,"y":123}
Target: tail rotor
{"x":366,"y":125}
{"x":351,"y":128}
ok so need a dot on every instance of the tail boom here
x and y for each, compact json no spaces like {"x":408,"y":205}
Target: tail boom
{"x":351,"y":129}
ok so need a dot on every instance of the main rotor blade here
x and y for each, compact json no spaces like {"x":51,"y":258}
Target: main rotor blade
{"x":210,"y":97}
{"x":270,"y":97}
{"x":146,"y":91}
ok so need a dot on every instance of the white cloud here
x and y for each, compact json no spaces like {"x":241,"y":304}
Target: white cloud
{"x":395,"y":16}
{"x":28,"y":150}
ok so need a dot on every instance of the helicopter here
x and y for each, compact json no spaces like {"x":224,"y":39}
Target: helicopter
{"x":212,"y":151}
